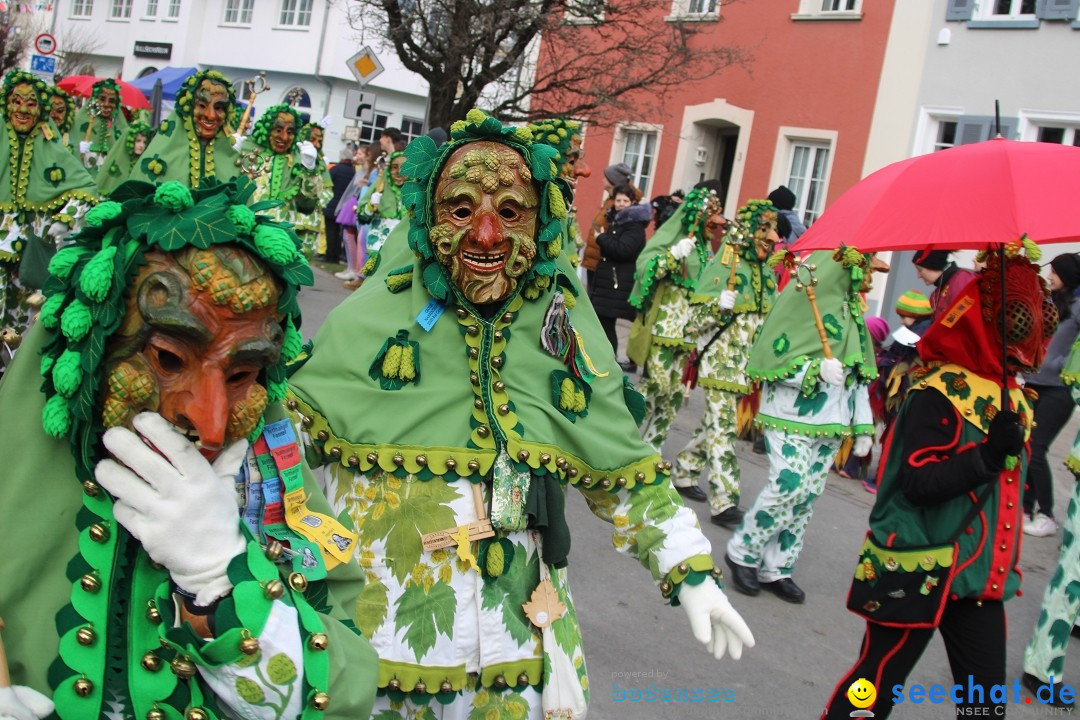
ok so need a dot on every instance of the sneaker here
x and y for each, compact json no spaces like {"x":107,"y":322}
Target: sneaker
{"x":345,"y":275}
{"x":1041,"y":526}
{"x":870,"y":486}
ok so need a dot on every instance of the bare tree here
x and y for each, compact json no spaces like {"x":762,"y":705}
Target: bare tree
{"x":16,"y":35}
{"x":596,"y":57}
{"x":77,"y":45}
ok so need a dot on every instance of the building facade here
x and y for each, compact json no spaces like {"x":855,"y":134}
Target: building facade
{"x":302,"y":45}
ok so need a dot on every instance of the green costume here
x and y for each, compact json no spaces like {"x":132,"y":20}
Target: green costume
{"x":177,"y":153}
{"x":102,"y":134}
{"x":311,"y":227}
{"x":724,"y":338}
{"x":41,"y":184}
{"x":97,"y":625}
{"x":387,"y":212}
{"x":122,"y":158}
{"x":504,"y":404}
{"x":663,"y":285}
{"x":282,"y":177}
{"x":69,"y":116}
{"x":805,"y":419}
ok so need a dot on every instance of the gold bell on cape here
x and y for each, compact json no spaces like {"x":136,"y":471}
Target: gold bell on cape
{"x":248,"y":645}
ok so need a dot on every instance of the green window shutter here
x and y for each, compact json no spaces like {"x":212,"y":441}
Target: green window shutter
{"x":959,"y":9}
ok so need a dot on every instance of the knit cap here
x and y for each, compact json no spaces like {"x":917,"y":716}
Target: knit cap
{"x":913,"y":304}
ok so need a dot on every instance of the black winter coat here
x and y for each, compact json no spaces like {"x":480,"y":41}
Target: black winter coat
{"x":614,"y":275}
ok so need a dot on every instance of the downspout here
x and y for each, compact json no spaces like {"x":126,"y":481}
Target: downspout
{"x":318,"y":65}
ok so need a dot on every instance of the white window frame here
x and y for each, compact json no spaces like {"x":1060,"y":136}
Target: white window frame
{"x":790,"y":138}
{"x":409,"y":137}
{"x":618,"y":152}
{"x":588,"y":17}
{"x":290,"y":13}
{"x":1032,"y":120}
{"x":172,"y":13}
{"x":984,"y":10}
{"x":815,"y":10}
{"x":124,"y":8}
{"x":928,"y":127}
{"x":151,"y":10}
{"x":694,"y":10}
{"x":242,"y":10}
{"x":82,"y":9}
{"x":373,"y":126}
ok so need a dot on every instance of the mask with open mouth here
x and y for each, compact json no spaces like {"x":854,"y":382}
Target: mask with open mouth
{"x":485,"y":220}
{"x":210,"y":109}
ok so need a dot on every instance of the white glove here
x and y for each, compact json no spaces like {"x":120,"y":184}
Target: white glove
{"x":59,"y":230}
{"x":862,"y":446}
{"x":84,"y":147}
{"x":179,"y":506}
{"x":238,"y":141}
{"x":832,"y":372}
{"x":716,"y":624}
{"x":727,"y":300}
{"x":308,"y":155}
{"x":19,"y":702}
{"x":682,"y":248}
{"x":374,"y":198}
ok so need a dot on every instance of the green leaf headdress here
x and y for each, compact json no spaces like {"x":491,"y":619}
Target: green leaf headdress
{"x":185,"y":99}
{"x":558,"y":133}
{"x":423,"y":163}
{"x":134,"y":130}
{"x":261,"y":132}
{"x":69,"y":117}
{"x":106,"y":84}
{"x":21,"y":77}
{"x":90,"y":281}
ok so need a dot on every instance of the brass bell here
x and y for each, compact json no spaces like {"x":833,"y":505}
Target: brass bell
{"x":462,"y":313}
{"x":621,"y":482}
{"x":478,"y":404}
{"x":420,"y":687}
{"x":394,"y":684}
{"x":446,"y":687}
{"x":155,"y":714}
{"x":499,"y":386}
{"x":500,"y":681}
{"x":399,"y":460}
{"x":421,"y":460}
{"x":473,"y":330}
{"x":483,"y":431}
{"x":322,"y":435}
{"x":474,"y":378}
{"x":248,"y":645}
{"x":274,"y":549}
{"x":639,"y":476}
{"x":291,"y":404}
{"x":523,"y":678}
{"x":151,"y":662}
{"x":90,"y":582}
{"x":91,"y":488}
{"x":320,"y":701}
{"x":196,"y":713}
{"x":572,"y":472}
{"x":605,"y":483}
{"x":83,"y":687}
{"x":498,"y":335}
{"x":545,"y":459}
{"x":684,"y":568}
{"x":274,"y":589}
{"x":152,"y":613}
{"x":298,"y":581}
{"x":474,"y":353}
{"x":451,"y":463}
{"x":372,"y":457}
{"x":85,"y":636}
{"x":504,"y":409}
{"x":508,"y":317}
{"x":497,"y":361}
{"x":335,"y":452}
{"x":353,"y":461}
{"x":183,"y":668}
{"x":474,"y":465}
{"x":99,"y":532}
{"x":523,"y":455}
{"x":318,"y":641}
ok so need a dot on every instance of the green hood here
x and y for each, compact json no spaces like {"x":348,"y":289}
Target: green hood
{"x":175,"y":154}
{"x":121,"y":158}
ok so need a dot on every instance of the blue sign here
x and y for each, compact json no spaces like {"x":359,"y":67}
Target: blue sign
{"x":42,"y":64}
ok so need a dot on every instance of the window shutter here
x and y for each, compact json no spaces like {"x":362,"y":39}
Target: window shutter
{"x":1056,"y":9}
{"x":1008,"y":128}
{"x":960,"y":9}
{"x":972,"y":129}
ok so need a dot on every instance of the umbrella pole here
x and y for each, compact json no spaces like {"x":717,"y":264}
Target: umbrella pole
{"x":1004,"y":343}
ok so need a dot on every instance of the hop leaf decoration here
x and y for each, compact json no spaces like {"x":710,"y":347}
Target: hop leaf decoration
{"x":50,"y":311}
{"x":67,"y":373}
{"x":242,"y":217}
{"x":281,"y":669}
{"x":397,"y":363}
{"x":56,"y":417}
{"x":54,"y":175}
{"x":97,"y":276}
{"x":76,"y":321}
{"x":154,"y":166}
{"x":64,"y":260}
{"x":570,"y":395}
{"x":292,"y":343}
{"x":833,"y":328}
{"x":275,"y":244}
{"x":103,"y":212}
{"x":174,"y":196}
{"x":781,"y":344}
{"x":249,"y":691}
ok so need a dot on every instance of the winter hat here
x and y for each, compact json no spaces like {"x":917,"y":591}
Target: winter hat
{"x":782,"y":198}
{"x":618,"y":174}
{"x":878,"y":327}
{"x":932,"y":259}
{"x":913,"y":304}
{"x":1067,"y":267}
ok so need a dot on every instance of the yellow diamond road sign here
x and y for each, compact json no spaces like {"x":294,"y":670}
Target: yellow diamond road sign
{"x":365,"y":66}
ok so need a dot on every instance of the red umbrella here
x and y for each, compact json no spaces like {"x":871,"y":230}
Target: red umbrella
{"x":970,"y":196}
{"x":974,"y":196}
{"x":83,"y":86}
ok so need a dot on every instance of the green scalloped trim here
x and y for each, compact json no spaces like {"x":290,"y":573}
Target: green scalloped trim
{"x":510,"y":671}
{"x":853,"y":361}
{"x":58,"y":201}
{"x":672,"y":342}
{"x":742,"y":389}
{"x":697,"y":569}
{"x":926,"y":559}
{"x":815,"y":431}
{"x":433,"y":676}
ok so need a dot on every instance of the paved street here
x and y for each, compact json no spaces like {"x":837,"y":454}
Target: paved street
{"x":802,"y":650}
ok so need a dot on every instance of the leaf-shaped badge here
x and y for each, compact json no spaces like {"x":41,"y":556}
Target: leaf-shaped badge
{"x":420,"y":157}
{"x":435,"y":281}
{"x":281,"y":669}
{"x":544,"y":607}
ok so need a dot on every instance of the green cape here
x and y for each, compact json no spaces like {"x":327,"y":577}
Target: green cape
{"x":175,"y":154}
{"x":119,"y":161}
{"x":755,"y":282}
{"x":102,"y":138}
{"x":789,"y":336}
{"x":655,"y":263}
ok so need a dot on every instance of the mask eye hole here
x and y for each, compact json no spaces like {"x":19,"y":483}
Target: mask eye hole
{"x":1020,"y":321}
{"x":462,"y":213}
{"x":168,"y":361}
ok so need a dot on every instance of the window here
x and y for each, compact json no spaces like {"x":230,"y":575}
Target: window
{"x":701,"y":7}
{"x":121,"y":10}
{"x":639,"y":153}
{"x":694,"y":10}
{"x":151,"y":8}
{"x":174,"y":9}
{"x":1059,"y":135}
{"x":82,"y":8}
{"x":839,"y":5}
{"x":946,"y":135}
{"x":584,"y":12}
{"x":412,"y":129}
{"x":828,"y":10}
{"x":806,"y":178}
{"x":238,"y":12}
{"x":295,"y":12}
{"x":1010,"y":8}
{"x":368,"y":131}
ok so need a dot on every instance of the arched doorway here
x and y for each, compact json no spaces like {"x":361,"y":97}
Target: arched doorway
{"x":713,"y":140}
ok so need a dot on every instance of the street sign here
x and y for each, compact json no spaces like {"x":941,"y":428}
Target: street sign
{"x":43,"y":66}
{"x":45,"y":44}
{"x":360,"y":105}
{"x":364,"y":66}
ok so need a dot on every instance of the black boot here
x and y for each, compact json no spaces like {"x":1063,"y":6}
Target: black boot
{"x":729,"y":518}
{"x":692,"y":492}
{"x":786,"y":590}
{"x":743,"y":578}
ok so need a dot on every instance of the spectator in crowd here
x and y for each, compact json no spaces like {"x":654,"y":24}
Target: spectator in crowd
{"x":1054,"y":404}
{"x":619,"y":244}
{"x":341,"y":176}
{"x":784,"y":200}
{"x":617,"y":174}
{"x":935,"y":268}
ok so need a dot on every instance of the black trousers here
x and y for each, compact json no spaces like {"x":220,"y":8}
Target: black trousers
{"x":333,"y":240}
{"x":974,"y":636}
{"x":608,"y":323}
{"x":1052,"y":410}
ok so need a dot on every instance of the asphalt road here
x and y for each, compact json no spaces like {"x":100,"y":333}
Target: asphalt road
{"x":633,"y":640}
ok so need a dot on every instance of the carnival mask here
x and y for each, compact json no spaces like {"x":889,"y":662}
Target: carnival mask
{"x":1030,"y":315}
{"x":58,"y":111}
{"x":486,"y":209}
{"x":876,"y":265}
{"x":316,"y":137}
{"x":209,"y":109}
{"x":575,"y":166}
{"x":24,"y":108}
{"x":765,"y":235}
{"x":107,"y":102}
{"x":283,"y":133}
{"x":200,"y":326}
{"x":395,"y":170}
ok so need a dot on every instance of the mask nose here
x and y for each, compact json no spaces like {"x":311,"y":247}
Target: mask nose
{"x":205,"y":409}
{"x":487,"y":233}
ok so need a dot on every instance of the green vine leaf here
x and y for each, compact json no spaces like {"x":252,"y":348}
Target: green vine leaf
{"x":426,"y":615}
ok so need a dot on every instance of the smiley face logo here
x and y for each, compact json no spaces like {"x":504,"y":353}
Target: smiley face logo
{"x":862,"y":693}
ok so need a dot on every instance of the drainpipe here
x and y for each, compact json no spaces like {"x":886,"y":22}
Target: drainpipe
{"x":318,"y":64}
